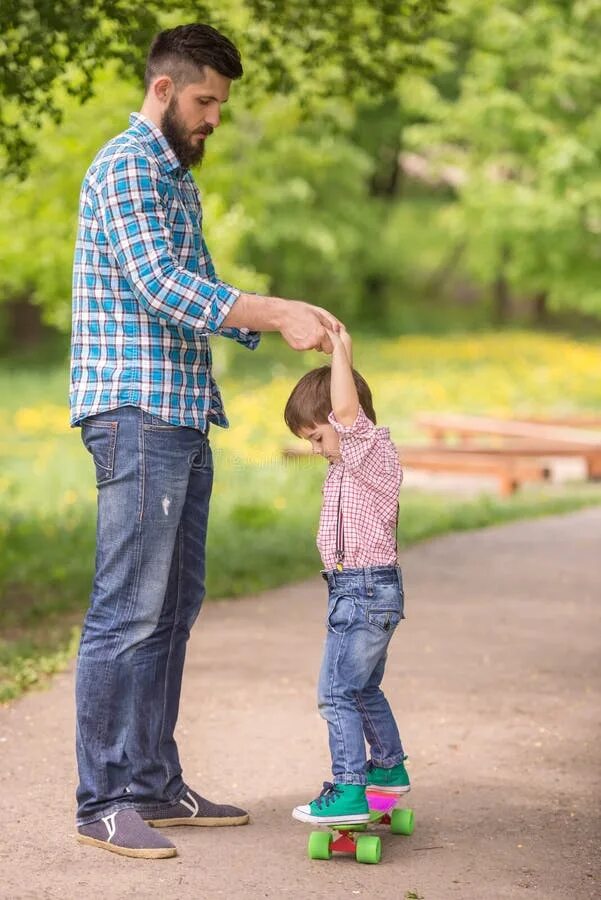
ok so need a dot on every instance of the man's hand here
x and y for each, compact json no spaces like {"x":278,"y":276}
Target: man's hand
{"x":306,"y":327}
{"x":302,"y":325}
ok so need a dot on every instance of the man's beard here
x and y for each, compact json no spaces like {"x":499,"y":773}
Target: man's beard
{"x":188,"y":153}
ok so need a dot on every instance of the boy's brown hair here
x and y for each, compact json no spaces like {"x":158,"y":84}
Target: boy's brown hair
{"x":310,"y":404}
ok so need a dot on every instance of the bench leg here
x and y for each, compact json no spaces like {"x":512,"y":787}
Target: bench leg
{"x":508,"y":485}
{"x":593,"y":467}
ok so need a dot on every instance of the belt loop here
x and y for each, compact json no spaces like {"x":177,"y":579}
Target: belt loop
{"x":328,"y":578}
{"x":369,"y":583}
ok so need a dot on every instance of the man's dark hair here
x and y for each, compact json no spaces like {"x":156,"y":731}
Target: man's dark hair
{"x":309,"y":403}
{"x":183,"y":52}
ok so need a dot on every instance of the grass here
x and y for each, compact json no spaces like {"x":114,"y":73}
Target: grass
{"x":264,"y":511}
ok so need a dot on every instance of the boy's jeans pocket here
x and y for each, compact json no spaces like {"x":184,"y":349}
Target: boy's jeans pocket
{"x":341,"y":612}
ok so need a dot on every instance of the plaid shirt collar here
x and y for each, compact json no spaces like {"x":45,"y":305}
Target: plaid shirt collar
{"x":158,"y":145}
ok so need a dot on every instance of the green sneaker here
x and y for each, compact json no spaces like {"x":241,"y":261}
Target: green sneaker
{"x":389,"y":781}
{"x":340,"y":804}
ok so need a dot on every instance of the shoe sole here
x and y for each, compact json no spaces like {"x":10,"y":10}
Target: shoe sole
{"x":206,"y":822}
{"x":135,"y":852}
{"x":359,"y":819}
{"x":384,"y":789}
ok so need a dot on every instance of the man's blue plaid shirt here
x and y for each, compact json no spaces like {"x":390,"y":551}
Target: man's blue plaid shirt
{"x":145,"y":294}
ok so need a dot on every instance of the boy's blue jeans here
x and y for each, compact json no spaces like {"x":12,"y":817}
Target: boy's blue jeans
{"x":154,"y":484}
{"x":364,"y":608}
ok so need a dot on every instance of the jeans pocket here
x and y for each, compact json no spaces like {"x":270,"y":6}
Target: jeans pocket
{"x":385,"y":619}
{"x":202,"y":459}
{"x":385,"y":610}
{"x":341,"y":612}
{"x":100,"y":439}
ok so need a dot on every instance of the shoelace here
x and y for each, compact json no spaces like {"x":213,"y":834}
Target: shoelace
{"x":328,"y":795}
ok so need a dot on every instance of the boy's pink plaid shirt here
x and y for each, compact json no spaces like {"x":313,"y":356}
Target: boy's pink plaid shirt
{"x":371,"y":477}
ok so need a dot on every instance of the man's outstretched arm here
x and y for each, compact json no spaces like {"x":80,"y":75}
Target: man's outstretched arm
{"x":137,"y":232}
{"x":302,"y":325}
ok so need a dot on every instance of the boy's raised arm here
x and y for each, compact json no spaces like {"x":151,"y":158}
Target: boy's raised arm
{"x":343,"y":393}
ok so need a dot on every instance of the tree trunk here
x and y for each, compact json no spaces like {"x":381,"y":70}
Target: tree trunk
{"x":24,"y":322}
{"x":501,"y":291}
{"x":540,"y":310}
{"x":439,"y":277}
{"x":373,"y":307}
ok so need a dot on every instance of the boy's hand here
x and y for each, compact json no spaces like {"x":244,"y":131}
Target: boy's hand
{"x":342,"y":340}
{"x":347,"y":343}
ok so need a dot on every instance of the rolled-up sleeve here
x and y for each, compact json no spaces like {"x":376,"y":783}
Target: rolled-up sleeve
{"x":356,"y":440}
{"x":246,"y":337}
{"x":370,"y":456}
{"x":137,"y":231}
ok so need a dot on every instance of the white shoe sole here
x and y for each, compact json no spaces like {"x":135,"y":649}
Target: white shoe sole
{"x":383,"y":789}
{"x":360,"y":819}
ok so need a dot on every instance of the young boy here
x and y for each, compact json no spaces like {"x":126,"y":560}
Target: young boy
{"x":332,"y":408}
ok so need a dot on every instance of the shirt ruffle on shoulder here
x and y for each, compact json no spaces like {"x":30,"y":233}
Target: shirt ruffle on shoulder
{"x":361,"y":427}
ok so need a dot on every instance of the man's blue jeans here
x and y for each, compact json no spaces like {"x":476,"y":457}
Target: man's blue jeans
{"x":364,"y":608}
{"x":154,"y":485}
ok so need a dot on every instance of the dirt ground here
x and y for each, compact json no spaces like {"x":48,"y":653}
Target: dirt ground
{"x":495,"y":678}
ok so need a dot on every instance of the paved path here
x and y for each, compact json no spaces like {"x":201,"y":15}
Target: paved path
{"x":495,"y":675}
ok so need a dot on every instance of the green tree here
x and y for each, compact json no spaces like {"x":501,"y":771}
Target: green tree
{"x":513,"y":119}
{"x":312,"y":49}
{"x":304,"y":186}
{"x":286,"y":205}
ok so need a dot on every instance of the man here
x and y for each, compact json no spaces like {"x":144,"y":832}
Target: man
{"x":145,"y":301}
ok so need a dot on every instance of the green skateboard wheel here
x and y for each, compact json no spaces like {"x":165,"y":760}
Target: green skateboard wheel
{"x":401,"y":821}
{"x":320,"y":845}
{"x":369,"y":849}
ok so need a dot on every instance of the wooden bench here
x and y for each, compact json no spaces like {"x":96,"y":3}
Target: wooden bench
{"x":573,"y":421}
{"x":591,"y":457}
{"x":514,"y":437}
{"x":509,"y":471}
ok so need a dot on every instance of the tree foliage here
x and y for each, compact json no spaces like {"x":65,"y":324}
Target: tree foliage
{"x":286,"y":202}
{"x":311,"y":49}
{"x":497,"y":101}
{"x":514,"y":111}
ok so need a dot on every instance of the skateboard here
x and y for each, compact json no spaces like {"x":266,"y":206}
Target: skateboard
{"x":351,"y":839}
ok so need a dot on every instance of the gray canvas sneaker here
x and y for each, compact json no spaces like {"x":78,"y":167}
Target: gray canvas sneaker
{"x":192,"y":809}
{"x":125,"y":832}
